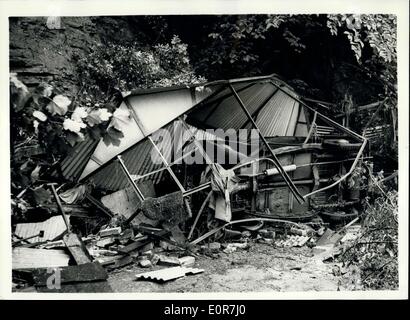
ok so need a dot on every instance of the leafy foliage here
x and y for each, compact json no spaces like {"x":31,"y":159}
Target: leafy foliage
{"x":45,"y":124}
{"x":125,"y":67}
{"x":374,"y":253}
{"x":379,"y":31}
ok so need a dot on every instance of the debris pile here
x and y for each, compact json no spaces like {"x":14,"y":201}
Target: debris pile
{"x":84,"y":262}
{"x":117,"y":207}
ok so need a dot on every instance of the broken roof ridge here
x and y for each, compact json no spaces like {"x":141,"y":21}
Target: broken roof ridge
{"x":139,"y":91}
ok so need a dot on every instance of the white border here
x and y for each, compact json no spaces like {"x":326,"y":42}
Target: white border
{"x":147,"y":7}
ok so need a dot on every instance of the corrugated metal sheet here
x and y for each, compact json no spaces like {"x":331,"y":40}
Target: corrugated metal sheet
{"x":138,"y":159}
{"x":152,"y":111}
{"x":157,"y":107}
{"x":73,"y":165}
{"x":214,"y":114}
{"x":53,"y":227}
{"x":278,"y":117}
{"x":168,"y":273}
{"x":274,"y":111}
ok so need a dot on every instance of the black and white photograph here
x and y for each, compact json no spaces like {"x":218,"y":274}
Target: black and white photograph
{"x":238,"y":152}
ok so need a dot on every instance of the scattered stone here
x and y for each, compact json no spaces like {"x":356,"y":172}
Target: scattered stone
{"x":126,"y":236}
{"x":242,"y":245}
{"x":265,"y":240}
{"x":214,"y":246}
{"x":269,"y":234}
{"x":102,"y":252}
{"x":147,"y":247}
{"x":187,"y":261}
{"x":145,"y":263}
{"x":110,"y":232}
{"x":230,"y":249}
{"x":321,"y":231}
{"x":154,"y":259}
{"x":296,"y":268}
{"x":246,"y":234}
{"x":104,"y":242}
{"x":148,"y":253}
{"x":352,"y":232}
{"x":298,"y":231}
{"x":158,"y":250}
{"x":293,"y":241}
{"x":167,"y":246}
{"x":168,"y":261}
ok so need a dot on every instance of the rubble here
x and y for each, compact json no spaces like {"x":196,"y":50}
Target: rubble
{"x":168,"y":261}
{"x":187,"y":261}
{"x":293,"y":241}
{"x":214,"y":246}
{"x":105,"y":242}
{"x":145,"y":263}
{"x":267,"y":233}
{"x":110,"y":232}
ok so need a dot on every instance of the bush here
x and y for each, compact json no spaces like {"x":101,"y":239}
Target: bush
{"x":374,"y":253}
{"x":126,"y":67}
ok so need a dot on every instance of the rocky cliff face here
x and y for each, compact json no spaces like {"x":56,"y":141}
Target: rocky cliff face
{"x":41,"y":54}
{"x":43,"y":49}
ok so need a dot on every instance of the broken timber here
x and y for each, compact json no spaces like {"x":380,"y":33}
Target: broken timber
{"x":72,"y":240}
{"x":28,"y":258}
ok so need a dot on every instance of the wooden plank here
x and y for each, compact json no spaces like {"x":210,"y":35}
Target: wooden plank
{"x":82,"y":273}
{"x":121,"y":262}
{"x":81,"y":287}
{"x":70,"y":209}
{"x":134,"y":245}
{"x":77,"y":248}
{"x":25,"y":258}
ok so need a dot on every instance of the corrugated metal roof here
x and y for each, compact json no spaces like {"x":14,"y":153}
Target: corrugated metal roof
{"x":274,"y":111}
{"x":53,"y":227}
{"x":279,"y":116}
{"x":157,"y":107}
{"x":138,"y":159}
{"x":149,"y":112}
{"x":73,"y":165}
{"x":218,"y":83}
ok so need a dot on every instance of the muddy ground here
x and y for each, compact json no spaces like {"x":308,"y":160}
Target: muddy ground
{"x":260,"y":268}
